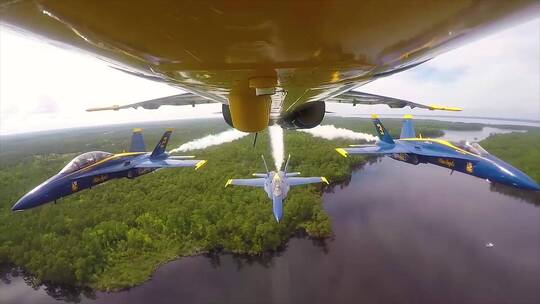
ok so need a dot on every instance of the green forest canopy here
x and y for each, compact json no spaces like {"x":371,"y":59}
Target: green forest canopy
{"x":116,"y":235}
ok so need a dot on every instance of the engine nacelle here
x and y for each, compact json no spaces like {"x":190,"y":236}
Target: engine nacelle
{"x":306,"y":116}
{"x":226,"y":111}
{"x":406,"y":157}
{"x":136,"y":172}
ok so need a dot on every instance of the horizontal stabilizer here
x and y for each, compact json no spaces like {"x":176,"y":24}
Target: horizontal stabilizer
{"x":375,"y":149}
{"x":260,"y":174}
{"x":181,"y":157}
{"x":291,"y":174}
{"x":171,"y":163}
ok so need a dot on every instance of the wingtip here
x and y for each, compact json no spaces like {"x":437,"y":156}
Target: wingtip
{"x":114,"y":108}
{"x":444,"y":108}
{"x":325,"y":180}
{"x":200,"y":164}
{"x":342,"y":152}
{"x":228,"y":183}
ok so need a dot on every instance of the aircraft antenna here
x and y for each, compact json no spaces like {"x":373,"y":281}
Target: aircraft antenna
{"x":265,"y":166}
{"x":255,"y":140}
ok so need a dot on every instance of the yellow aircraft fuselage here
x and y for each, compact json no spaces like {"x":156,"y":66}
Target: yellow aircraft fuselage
{"x":225,"y":50}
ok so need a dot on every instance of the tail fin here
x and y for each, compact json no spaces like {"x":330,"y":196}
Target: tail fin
{"x":162,"y":144}
{"x":383,"y":134}
{"x":265,"y":166}
{"x":287,"y":164}
{"x":407,"y":130}
{"x":137,"y":141}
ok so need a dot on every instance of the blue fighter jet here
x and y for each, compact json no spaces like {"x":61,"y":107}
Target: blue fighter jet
{"x":93,"y":168}
{"x":276,"y":185}
{"x":469,"y":158}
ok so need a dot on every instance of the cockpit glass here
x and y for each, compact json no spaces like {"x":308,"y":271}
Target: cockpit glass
{"x":85,"y":160}
{"x":277,"y":185}
{"x":473,"y":148}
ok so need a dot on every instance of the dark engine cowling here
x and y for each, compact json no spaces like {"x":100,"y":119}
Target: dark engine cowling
{"x":136,"y":172}
{"x":226,"y":114}
{"x":306,"y":116}
{"x":406,"y":157}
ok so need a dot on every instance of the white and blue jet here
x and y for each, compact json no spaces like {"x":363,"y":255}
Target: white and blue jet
{"x":276,"y":184}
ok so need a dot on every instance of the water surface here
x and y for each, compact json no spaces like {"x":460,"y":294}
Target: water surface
{"x":402,"y":234}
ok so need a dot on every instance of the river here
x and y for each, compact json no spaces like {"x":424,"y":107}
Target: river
{"x":402,"y":234}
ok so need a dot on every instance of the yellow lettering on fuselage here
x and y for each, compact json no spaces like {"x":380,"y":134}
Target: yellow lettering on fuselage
{"x":446,"y":162}
{"x":100,"y":179}
{"x":74,"y":186}
{"x":469,"y":167}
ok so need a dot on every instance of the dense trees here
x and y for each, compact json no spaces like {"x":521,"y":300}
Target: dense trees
{"x":521,"y":150}
{"x":116,"y":234}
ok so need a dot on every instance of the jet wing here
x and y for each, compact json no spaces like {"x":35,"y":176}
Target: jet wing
{"x":295,"y":181}
{"x":171,"y":163}
{"x":252,"y":182}
{"x":372,"y":149}
{"x":175,"y":100}
{"x":356,"y":97}
{"x":393,"y":149}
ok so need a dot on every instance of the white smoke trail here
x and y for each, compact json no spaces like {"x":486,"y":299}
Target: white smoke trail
{"x":331,"y":132}
{"x":276,"y":142}
{"x":211,"y":140}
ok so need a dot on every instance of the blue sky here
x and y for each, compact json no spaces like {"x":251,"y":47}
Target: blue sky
{"x":44,"y":87}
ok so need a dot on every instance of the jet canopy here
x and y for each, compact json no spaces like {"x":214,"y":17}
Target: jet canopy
{"x":85,"y":160}
{"x":473,"y":148}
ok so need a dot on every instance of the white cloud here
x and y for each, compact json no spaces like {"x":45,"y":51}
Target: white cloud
{"x":497,"y":76}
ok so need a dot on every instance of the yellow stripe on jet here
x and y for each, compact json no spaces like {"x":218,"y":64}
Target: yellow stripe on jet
{"x":444,"y":108}
{"x":228,"y":183}
{"x":342,"y":152}
{"x":444,"y":143}
{"x":200,"y":164}
{"x":106,"y":160}
{"x":325,"y":180}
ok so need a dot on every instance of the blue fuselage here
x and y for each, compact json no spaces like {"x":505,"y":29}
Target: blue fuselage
{"x":67,"y":183}
{"x":477,"y":163}
{"x":276,"y":188}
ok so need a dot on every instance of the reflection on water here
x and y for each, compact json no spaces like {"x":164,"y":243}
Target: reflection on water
{"x":532,"y":197}
{"x":475,"y":136}
{"x":402,"y":234}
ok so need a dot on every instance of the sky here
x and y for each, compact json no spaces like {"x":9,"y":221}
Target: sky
{"x":44,"y":87}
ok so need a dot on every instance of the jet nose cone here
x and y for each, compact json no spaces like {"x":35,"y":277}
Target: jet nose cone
{"x":524,"y":182}
{"x":24,"y":203}
{"x":530,"y":184}
{"x":31,"y":200}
